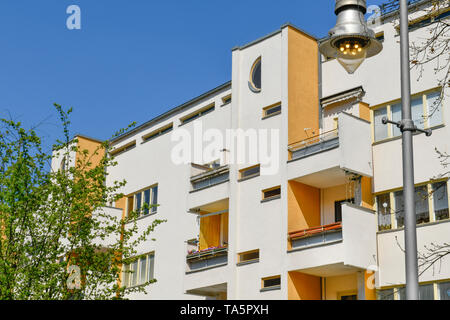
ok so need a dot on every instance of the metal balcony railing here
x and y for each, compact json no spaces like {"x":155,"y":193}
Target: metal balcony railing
{"x":210,"y":178}
{"x":316,"y":236}
{"x":312,"y":145}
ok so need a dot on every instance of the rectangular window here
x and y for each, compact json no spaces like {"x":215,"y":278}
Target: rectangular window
{"x":226,"y":100}
{"x":248,"y":256}
{"x":125,"y":148}
{"x":434,"y":109}
{"x":386,"y":294}
{"x":396,"y":111}
{"x":158,"y":133}
{"x":198,"y":114}
{"x":144,"y":202}
{"x":421,"y":200}
{"x":417,"y":112}
{"x":384,"y":211}
{"x":399,"y":209}
{"x":440,"y":200}
{"x":420,"y":114}
{"x":271,"y":282}
{"x":426,"y":292}
{"x":338,"y":209}
{"x":444,"y":290}
{"x":249,"y":172}
{"x":381,"y":131}
{"x":272,"y":193}
{"x":272,"y":110}
{"x":140,"y":272}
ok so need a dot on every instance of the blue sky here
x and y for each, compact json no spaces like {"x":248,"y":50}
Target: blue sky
{"x":132,"y":59}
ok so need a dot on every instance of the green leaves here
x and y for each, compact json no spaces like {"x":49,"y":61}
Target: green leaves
{"x":53,"y":219}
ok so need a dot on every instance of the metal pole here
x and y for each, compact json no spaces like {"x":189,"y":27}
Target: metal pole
{"x":407,"y":128}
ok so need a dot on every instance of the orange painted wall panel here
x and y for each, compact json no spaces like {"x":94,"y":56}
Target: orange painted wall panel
{"x":303,"y":206}
{"x":303,"y":85}
{"x":303,"y":287}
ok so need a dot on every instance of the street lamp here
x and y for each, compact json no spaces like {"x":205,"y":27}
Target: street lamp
{"x":351,"y":33}
{"x":350,"y":41}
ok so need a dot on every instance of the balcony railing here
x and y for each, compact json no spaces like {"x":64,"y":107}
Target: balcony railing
{"x":198,"y":260}
{"x":315,"y":236}
{"x":315,"y":144}
{"x":210,"y":178}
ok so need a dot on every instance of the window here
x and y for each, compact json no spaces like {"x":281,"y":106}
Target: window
{"x":272,"y":110}
{"x":139,"y":271}
{"x":444,"y":290}
{"x":272,"y":193}
{"x":386,"y":294}
{"x":426,"y":292}
{"x":380,"y":128}
{"x":226,"y":100}
{"x":423,"y":116}
{"x":440,"y":200}
{"x":384,"y":211}
{"x":198,"y":114}
{"x":421,"y":202}
{"x":249,"y":172}
{"x":271,"y":282}
{"x":255,"y":76}
{"x":143,"y":202}
{"x":158,"y":133}
{"x":380,"y":36}
{"x":123,"y":149}
{"x":248,"y":256}
{"x":338,"y":209}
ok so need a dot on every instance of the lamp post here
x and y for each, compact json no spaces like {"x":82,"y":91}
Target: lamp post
{"x":351,"y":42}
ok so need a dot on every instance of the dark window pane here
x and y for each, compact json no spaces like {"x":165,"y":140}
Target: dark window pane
{"x":426,"y":292}
{"x":147,"y":200}
{"x":154,"y":199}
{"x":440,"y":200}
{"x":272,"y":193}
{"x":273,"y":110}
{"x":250,"y":172}
{"x":421,"y":200}
{"x":256,"y":75}
{"x":272,"y":282}
{"x":386,"y":294}
{"x":444,"y":290}
{"x":384,"y":211}
{"x":399,"y":209}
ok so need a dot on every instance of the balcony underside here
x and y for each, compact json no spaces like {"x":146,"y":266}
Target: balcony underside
{"x":331,"y":270}
{"x":209,"y":291}
{"x":330,"y":177}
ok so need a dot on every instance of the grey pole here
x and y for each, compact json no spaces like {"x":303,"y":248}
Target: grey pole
{"x":407,"y":128}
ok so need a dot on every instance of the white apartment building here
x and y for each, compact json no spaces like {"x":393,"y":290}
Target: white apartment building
{"x":328,"y":220}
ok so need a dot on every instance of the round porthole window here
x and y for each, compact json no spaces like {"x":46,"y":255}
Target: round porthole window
{"x":255,"y":76}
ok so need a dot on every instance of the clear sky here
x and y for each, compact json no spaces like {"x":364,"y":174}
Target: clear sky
{"x":132,"y":59}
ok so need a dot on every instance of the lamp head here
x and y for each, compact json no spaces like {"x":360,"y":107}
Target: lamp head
{"x":350,"y":41}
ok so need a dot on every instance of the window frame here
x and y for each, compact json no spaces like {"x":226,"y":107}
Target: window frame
{"x":134,"y":196}
{"x":252,"y":86}
{"x":241,"y":254}
{"x":198,"y":114}
{"x":242,"y":171}
{"x":149,"y":272}
{"x":264,"y":198}
{"x":431,"y":205}
{"x":272,"y":287}
{"x":424,"y":116}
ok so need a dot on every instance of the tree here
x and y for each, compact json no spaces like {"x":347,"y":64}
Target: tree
{"x":56,"y":239}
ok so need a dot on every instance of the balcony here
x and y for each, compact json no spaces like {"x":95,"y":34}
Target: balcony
{"x":206,"y":271}
{"x":208,"y":184}
{"x":325,"y":160}
{"x":335,"y":249}
{"x":198,"y":260}
{"x":325,"y":141}
{"x":316,"y":236}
